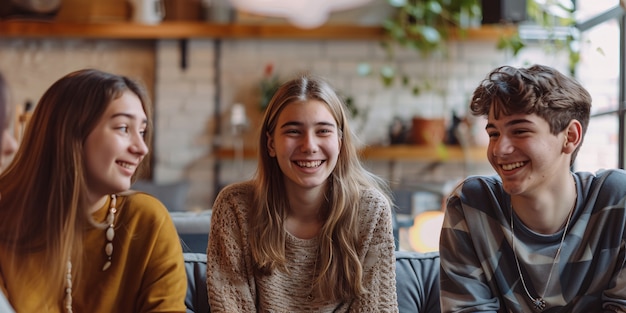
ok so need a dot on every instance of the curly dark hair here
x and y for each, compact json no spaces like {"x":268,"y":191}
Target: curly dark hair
{"x":537,"y":89}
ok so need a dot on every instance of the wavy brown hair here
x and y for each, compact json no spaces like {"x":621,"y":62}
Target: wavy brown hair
{"x":338,"y":265}
{"x":42,"y":205}
{"x":4,"y":106}
{"x":538,"y":89}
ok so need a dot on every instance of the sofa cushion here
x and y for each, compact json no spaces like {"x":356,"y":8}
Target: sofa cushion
{"x":193,"y":229}
{"x":417,"y":282}
{"x":173,"y":194}
{"x":197,"y":299}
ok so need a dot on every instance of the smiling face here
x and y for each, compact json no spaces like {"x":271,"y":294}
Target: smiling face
{"x":305,"y":144}
{"x":116,"y":146}
{"x":526,"y":155}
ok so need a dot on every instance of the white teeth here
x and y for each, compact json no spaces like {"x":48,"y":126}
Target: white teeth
{"x":125,"y":165}
{"x":508,"y":167}
{"x":309,"y":164}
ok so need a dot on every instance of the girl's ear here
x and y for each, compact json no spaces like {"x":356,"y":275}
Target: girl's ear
{"x":573,"y":136}
{"x":270,"y":144}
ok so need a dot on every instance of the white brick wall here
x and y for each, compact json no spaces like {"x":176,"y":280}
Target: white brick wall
{"x":185,"y":116}
{"x":32,"y":65}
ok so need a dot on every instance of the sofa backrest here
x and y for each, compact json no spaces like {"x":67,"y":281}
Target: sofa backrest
{"x":197,"y":299}
{"x":417,"y":282}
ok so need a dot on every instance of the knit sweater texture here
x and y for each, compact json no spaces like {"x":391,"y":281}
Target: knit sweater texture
{"x":233,"y":286}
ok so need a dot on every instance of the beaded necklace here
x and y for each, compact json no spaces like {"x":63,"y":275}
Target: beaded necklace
{"x":108,"y":249}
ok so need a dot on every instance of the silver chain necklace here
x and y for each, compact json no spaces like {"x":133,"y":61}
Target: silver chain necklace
{"x":539,"y":303}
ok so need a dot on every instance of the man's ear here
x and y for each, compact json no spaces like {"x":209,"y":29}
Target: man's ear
{"x":573,"y":136}
{"x":270,"y":144}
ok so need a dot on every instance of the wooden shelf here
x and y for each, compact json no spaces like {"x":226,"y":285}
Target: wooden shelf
{"x":229,"y":153}
{"x":181,"y":30}
{"x":424,"y":153}
{"x":171,"y":30}
{"x":395,"y":153}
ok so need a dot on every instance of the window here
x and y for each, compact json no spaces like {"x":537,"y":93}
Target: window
{"x":599,"y":72}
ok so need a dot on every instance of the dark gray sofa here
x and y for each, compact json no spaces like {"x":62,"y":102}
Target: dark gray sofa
{"x":417,"y":282}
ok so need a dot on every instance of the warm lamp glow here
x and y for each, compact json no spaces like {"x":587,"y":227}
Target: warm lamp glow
{"x":302,"y":13}
{"x":425,"y":232}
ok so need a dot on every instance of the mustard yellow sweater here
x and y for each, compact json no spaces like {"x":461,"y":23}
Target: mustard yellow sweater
{"x":147,"y":272}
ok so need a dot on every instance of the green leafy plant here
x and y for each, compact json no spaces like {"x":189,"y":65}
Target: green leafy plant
{"x":556,"y":20}
{"x":424,"y":26}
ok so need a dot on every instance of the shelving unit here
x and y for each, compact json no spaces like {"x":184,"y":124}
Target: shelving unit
{"x":424,"y":153}
{"x":183,"y":30}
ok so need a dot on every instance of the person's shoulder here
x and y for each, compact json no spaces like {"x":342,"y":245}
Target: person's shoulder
{"x":372,"y":194}
{"x":613,"y":173}
{"x":488,"y":179}
{"x":139,"y":198}
{"x":141,"y":205}
{"x":609,"y":180}
{"x":476,"y":189}
{"x":480,"y":182}
{"x":245,"y":188}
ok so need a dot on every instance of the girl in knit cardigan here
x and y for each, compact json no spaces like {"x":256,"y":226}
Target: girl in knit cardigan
{"x":312,"y":231}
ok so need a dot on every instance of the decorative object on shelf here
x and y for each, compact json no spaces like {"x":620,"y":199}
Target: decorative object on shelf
{"x":239,"y":124}
{"x":301,"y":13}
{"x":398,"y":132}
{"x":219,"y":11}
{"x":428,"y":131}
{"x":453,"y":132}
{"x":238,"y":119}
{"x":29,"y":8}
{"x":22,"y":117}
{"x":268,"y":85}
{"x":372,"y":14}
{"x":148,"y":11}
{"x":89,"y":11}
{"x":503,"y":11}
{"x":183,"y":10}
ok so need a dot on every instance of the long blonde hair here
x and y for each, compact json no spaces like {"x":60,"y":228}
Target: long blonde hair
{"x":338,"y":265}
{"x":42,"y":205}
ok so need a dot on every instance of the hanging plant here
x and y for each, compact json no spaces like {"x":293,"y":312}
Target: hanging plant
{"x":426,"y":27}
{"x":556,"y":20}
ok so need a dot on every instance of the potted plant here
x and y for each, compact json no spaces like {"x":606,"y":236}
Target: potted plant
{"x":268,"y":86}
